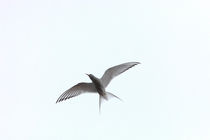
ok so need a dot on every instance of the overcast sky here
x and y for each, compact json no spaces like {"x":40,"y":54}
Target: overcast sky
{"x":47,"y":46}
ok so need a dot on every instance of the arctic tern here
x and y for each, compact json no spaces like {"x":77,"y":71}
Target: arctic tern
{"x":97,"y":85}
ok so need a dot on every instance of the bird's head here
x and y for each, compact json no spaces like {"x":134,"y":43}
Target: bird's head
{"x":90,"y":76}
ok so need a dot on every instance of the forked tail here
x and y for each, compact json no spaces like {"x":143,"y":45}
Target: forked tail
{"x":108,"y":96}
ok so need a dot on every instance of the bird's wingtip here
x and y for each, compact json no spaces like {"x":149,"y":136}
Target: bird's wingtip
{"x":57,"y":101}
{"x":137,"y":63}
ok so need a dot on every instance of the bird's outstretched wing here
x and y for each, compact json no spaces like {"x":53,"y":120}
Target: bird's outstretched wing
{"x":115,"y":71}
{"x":77,"y":90}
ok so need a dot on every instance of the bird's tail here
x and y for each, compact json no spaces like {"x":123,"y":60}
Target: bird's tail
{"x":110,"y":95}
{"x":107,"y":97}
{"x":101,"y":99}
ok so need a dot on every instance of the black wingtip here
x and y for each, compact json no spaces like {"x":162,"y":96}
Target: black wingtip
{"x":57,"y":101}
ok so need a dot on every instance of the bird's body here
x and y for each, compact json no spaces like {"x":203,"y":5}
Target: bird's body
{"x":97,"y":85}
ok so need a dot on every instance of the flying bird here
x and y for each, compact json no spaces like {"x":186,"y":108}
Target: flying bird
{"x":97,"y":85}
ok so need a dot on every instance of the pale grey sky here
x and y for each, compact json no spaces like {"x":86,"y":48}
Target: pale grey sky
{"x":47,"y":46}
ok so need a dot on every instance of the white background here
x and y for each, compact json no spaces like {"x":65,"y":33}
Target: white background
{"x":47,"y":46}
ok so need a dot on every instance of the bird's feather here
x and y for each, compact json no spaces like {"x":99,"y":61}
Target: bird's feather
{"x":115,"y":71}
{"x":77,"y":90}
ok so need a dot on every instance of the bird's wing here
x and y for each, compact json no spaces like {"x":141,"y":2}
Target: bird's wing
{"x":77,"y":90}
{"x":115,"y":71}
